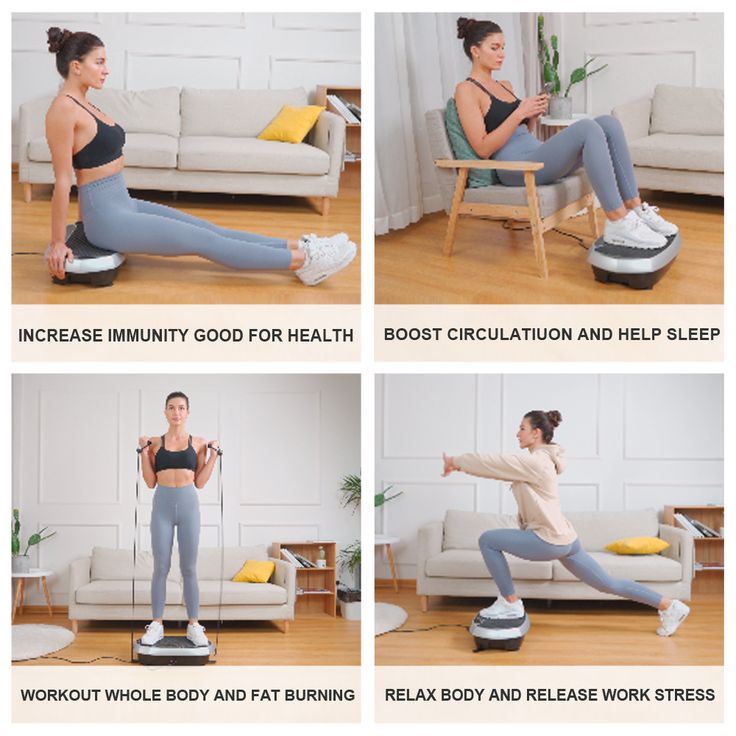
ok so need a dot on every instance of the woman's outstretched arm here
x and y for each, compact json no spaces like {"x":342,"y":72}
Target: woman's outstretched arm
{"x":497,"y":467}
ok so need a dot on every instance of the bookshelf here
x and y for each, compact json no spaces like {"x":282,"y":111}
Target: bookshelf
{"x":352,"y":130}
{"x":319,"y":584}
{"x":708,"y":550}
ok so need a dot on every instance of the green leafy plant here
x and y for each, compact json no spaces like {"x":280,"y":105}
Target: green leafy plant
{"x":381,"y":498}
{"x":549,"y":58}
{"x":348,"y":558}
{"x":34,"y":539}
{"x":350,"y":492}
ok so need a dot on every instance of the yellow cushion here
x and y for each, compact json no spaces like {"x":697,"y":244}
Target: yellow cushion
{"x":292,"y":124}
{"x":255,"y":571}
{"x":637,"y":546}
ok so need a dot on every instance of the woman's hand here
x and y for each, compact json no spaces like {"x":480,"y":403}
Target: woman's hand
{"x":214,"y":446}
{"x":532,"y":107}
{"x":56,"y":255}
{"x":143,"y":442}
{"x":449,"y":465}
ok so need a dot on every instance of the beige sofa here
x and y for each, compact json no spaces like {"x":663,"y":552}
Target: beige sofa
{"x":449,"y":561}
{"x":676,"y":139}
{"x":199,"y":140}
{"x":101,"y":587}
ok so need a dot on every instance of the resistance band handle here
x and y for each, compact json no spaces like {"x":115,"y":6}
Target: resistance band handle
{"x":139,"y":450}
{"x":218,"y":450}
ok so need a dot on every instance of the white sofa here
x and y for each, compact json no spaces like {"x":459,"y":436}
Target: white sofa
{"x":201,"y":141}
{"x":101,"y":587}
{"x":449,"y":561}
{"x":676,"y":139}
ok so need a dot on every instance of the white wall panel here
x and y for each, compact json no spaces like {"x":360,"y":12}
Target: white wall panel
{"x":206,"y":50}
{"x":632,"y":441}
{"x":299,"y":434}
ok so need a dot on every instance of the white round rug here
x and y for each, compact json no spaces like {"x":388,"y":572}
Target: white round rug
{"x":389,"y":617}
{"x":35,"y":640}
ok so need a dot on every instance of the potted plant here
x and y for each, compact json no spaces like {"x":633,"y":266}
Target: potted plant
{"x":560,"y":106}
{"x":350,"y":492}
{"x":22,"y":562}
{"x":381,"y":498}
{"x":348,"y":559}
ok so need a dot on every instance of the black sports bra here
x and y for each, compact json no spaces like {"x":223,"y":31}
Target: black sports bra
{"x":106,"y":146}
{"x":499,"y":109}
{"x":175,"y":459}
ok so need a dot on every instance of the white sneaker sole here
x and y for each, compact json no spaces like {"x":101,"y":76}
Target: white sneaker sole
{"x":346,"y":261}
{"x":664,"y":632}
{"x":149,"y":643}
{"x":633,"y":244}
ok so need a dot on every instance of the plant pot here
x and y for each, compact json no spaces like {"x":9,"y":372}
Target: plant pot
{"x":560,"y":108}
{"x":21,"y":563}
{"x":350,"y":611}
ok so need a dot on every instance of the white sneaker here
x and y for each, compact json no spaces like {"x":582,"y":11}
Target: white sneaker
{"x":648,"y":214}
{"x":325,"y":257}
{"x":672,"y":617}
{"x":632,"y":232}
{"x":501,"y":608}
{"x":312,"y":240}
{"x":196,"y":635}
{"x":154,"y":633}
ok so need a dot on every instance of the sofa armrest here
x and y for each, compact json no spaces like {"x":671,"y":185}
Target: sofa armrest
{"x":634,"y":118}
{"x":80,"y":573}
{"x":31,"y":124}
{"x":681,"y":549}
{"x":329,"y":135}
{"x":284,"y":575}
{"x":429,"y":544}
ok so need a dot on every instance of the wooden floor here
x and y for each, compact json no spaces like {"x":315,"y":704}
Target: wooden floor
{"x":567,"y":633}
{"x":493,"y":265}
{"x":312,"y":640}
{"x":191,"y":280}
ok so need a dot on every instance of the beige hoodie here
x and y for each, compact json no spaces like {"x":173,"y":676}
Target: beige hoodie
{"x":533,"y":478}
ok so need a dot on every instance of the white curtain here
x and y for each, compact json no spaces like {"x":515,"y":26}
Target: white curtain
{"x":419,"y":61}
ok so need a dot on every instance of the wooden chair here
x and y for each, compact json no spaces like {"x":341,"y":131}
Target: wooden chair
{"x":544,"y":207}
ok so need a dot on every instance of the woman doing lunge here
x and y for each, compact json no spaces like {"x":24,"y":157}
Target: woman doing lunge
{"x":83,"y":139}
{"x":178,"y":466}
{"x":499,"y":125}
{"x":544,"y":533}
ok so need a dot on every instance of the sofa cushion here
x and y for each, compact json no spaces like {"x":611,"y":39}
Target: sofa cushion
{"x":144,"y":111}
{"x":119,"y":592}
{"x":596,"y":529}
{"x":465,"y":563}
{"x":686,"y":152}
{"x":694,"y":110}
{"x":151,"y":150}
{"x":644,"y":568}
{"x":240,"y":594}
{"x":213,"y":153}
{"x":117,"y":564}
{"x":208,"y":560}
{"x":462,"y":528}
{"x":235,"y":113}
{"x":146,"y":150}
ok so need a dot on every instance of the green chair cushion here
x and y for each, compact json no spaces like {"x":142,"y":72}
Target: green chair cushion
{"x":463,"y":151}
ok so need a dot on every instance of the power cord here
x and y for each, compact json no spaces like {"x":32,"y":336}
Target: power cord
{"x":507,"y":225}
{"x":83,"y":661}
{"x":428,"y":628}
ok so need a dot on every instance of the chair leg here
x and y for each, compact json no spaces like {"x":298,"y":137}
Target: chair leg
{"x":457,"y":198}
{"x":27,"y":191}
{"x":535,"y":219}
{"x":592,"y":221}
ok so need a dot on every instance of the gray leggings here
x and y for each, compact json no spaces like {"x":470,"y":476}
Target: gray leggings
{"x":115,"y":221}
{"x":527,"y":545}
{"x":175,"y":507}
{"x":599,"y":145}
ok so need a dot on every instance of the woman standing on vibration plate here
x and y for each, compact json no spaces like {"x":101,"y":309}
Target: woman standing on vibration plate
{"x":545,"y":533}
{"x":178,"y":465}
{"x":82,"y":138}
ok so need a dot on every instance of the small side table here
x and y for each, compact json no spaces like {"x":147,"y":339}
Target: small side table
{"x":550,"y":126}
{"x":39,"y":575}
{"x":385,"y":541}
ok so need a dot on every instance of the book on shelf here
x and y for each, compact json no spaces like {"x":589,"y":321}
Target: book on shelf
{"x":709,"y":566}
{"x":686,"y":524}
{"x":351,"y":156}
{"x":353,"y":109}
{"x":338,"y":104}
{"x":290,"y":557}
{"x":704,"y":528}
{"x":305,"y":562}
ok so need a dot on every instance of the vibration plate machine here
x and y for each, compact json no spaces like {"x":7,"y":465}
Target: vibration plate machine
{"x":638,"y":268}
{"x":499,"y":633}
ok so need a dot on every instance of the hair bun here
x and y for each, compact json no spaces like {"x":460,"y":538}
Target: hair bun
{"x":554,"y":417}
{"x":464,"y":25}
{"x":57,"y":38}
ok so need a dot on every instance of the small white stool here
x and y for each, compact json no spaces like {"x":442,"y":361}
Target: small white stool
{"x":382,"y":540}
